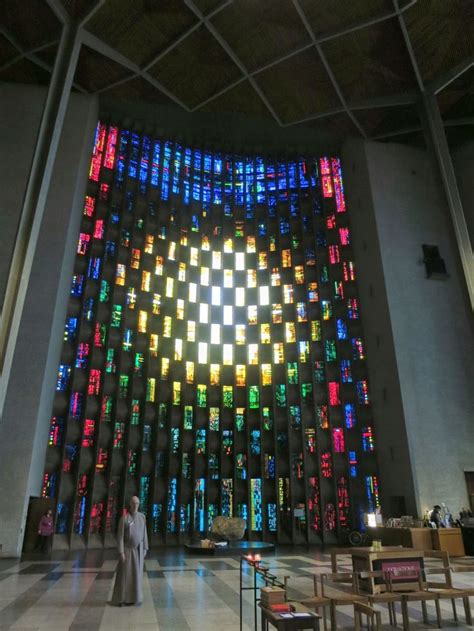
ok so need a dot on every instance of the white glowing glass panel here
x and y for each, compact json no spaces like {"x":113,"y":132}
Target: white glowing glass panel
{"x":172,"y":251}
{"x":214,"y":374}
{"x":189,"y":372}
{"x":202,"y":353}
{"x":193,"y":256}
{"x":169,"y":287}
{"x":167,"y":326}
{"x":228,"y":278}
{"x":252,"y":350}
{"x":228,"y":314}
{"x":192,"y":292}
{"x":215,"y":333}
{"x":191,"y":335}
{"x":216,"y":260}
{"x":240,"y":297}
{"x":178,"y":350}
{"x":227,"y":354}
{"x":240,"y":334}
{"x":228,"y":246}
{"x":240,"y":261}
{"x":159,"y":265}
{"x":252,"y":314}
{"x":264,"y":295}
{"x":205,"y":276}
{"x":216,"y":296}
{"x":251,"y":278}
{"x":203,"y":313}
{"x":265,"y":336}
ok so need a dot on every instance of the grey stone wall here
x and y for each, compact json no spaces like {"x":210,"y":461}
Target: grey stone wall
{"x":431,"y":325}
{"x":30,"y":389}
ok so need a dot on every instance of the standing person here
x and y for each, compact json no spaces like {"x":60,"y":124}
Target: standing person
{"x":132,"y":543}
{"x":45,"y":532}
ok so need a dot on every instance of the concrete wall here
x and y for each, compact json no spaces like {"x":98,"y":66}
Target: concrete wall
{"x":393,"y":456}
{"x":430,"y":322}
{"x":19,"y":125}
{"x":463,"y":161}
{"x":28,"y":403}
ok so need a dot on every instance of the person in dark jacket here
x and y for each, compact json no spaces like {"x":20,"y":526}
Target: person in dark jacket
{"x":435,"y":516}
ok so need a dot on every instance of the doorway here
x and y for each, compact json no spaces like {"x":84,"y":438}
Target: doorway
{"x":470,"y":488}
{"x":36,"y":508}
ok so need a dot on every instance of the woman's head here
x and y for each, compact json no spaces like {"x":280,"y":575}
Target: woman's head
{"x":49,"y":512}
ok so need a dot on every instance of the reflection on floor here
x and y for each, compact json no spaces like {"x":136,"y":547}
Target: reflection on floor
{"x":182,"y":592}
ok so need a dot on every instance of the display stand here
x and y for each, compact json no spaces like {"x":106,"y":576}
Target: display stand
{"x":259,"y":571}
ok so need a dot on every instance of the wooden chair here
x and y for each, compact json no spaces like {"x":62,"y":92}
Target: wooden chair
{"x":422,"y":595}
{"x":442,"y":555}
{"x":374,"y":622}
{"x":463,"y":568}
{"x":316,"y":602}
{"x":342,"y":597}
{"x":335,"y":552}
{"x":387,"y":597}
{"x":446,"y":591}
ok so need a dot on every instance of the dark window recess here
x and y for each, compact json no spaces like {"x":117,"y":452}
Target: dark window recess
{"x":434,"y":264}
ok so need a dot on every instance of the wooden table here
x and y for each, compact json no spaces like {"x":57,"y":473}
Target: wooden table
{"x":419,"y":538}
{"x":449,"y":540}
{"x":307,"y":622}
{"x":403,"y":563}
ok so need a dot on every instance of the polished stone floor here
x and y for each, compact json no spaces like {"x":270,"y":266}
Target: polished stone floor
{"x":69,"y":591}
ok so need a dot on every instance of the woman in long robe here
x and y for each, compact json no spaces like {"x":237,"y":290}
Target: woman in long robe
{"x":132,"y":543}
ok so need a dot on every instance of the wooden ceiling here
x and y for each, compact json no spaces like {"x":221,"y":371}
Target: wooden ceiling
{"x":355,"y":67}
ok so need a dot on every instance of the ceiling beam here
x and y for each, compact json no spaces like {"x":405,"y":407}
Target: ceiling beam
{"x":211,"y":28}
{"x":99,"y":4}
{"x":279,"y":60}
{"x":220,"y":93}
{"x":185,"y":35}
{"x":442,"y":82}
{"x":253,"y":73}
{"x":364,"y":24}
{"x":397,"y":132}
{"x":114,"y":84}
{"x":30,"y":56}
{"x":57,"y":7}
{"x":392,"y":100}
{"x":326,"y":65}
{"x":459,"y":122}
{"x":201,"y":20}
{"x":452,"y":122}
{"x":23,"y":53}
{"x":409,"y":47}
{"x":97,"y":44}
{"x":301,"y":49}
{"x":410,"y":98}
{"x":104,"y":49}
{"x":172,"y":46}
{"x":313,"y":117}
